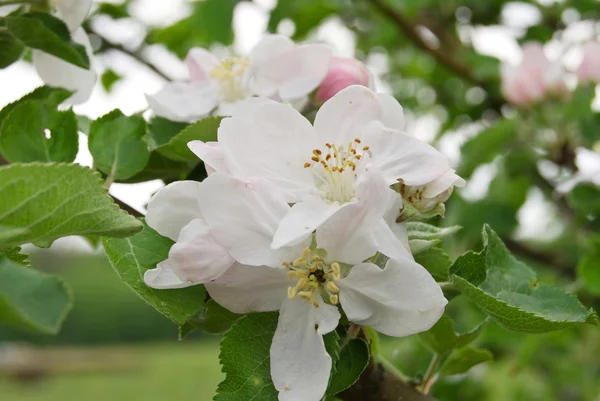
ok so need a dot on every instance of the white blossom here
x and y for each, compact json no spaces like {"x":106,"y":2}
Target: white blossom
{"x":275,"y":68}
{"x":59,"y":73}
{"x":231,"y":221}
{"x":322,"y":169}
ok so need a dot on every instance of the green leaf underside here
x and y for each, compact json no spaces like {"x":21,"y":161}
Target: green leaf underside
{"x":15,"y":255}
{"x":464,"y":359}
{"x":353,"y":360}
{"x":117,"y":145}
{"x":510,"y":293}
{"x":204,"y":130}
{"x":424,"y":231}
{"x":49,"y":34}
{"x":23,"y":135}
{"x":30,"y":299}
{"x":43,"y":202}
{"x":442,"y":337}
{"x":245,"y":358}
{"x":131,"y":257}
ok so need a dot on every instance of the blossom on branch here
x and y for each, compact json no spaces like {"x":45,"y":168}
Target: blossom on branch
{"x":276,"y":68}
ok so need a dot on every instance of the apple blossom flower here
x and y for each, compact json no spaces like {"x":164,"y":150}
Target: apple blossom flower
{"x":342,"y":73}
{"x":321,"y":169}
{"x":589,"y":69}
{"x":533,"y":79}
{"x":304,"y":281}
{"x":426,"y":197}
{"x":60,"y":73}
{"x":275,"y":68}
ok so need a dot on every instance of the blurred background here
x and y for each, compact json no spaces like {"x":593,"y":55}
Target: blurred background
{"x":115,"y":347}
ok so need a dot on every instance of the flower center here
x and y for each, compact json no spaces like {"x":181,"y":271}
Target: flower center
{"x":335,"y":169}
{"x":313,"y":276}
{"x":231,"y":76}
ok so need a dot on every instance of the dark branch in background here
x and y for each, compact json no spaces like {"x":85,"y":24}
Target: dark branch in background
{"x":105,"y":44}
{"x":378,"y":383}
{"x":461,"y":70}
{"x":127,"y":208}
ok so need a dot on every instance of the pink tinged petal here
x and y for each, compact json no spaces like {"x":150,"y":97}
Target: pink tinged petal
{"x":589,"y":69}
{"x":244,"y":289}
{"x":342,"y":73}
{"x":348,"y":115}
{"x":200,"y":63}
{"x":302,"y":219}
{"x":184,"y":102}
{"x":243,"y":216}
{"x":173,"y":207}
{"x":446,"y":181}
{"x":400,"y":300}
{"x":164,"y":278}
{"x":403,"y":157}
{"x":300,"y":364}
{"x":211,"y":154}
{"x":270,"y":140}
{"x":347,"y":236}
{"x":196,"y":257}
{"x":57,"y":72}
{"x":73,"y":12}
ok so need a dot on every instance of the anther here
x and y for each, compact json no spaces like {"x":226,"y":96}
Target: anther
{"x":291,"y":292}
{"x":315,"y":158}
{"x":305,"y":294}
{"x":307,"y":165}
{"x":357,"y":140}
{"x":299,"y":262}
{"x":332,"y":287}
{"x":333,"y":299}
{"x":317,"y":152}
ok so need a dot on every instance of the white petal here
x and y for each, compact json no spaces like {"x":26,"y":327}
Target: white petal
{"x":211,"y":154}
{"x":200,"y":62}
{"x":270,"y":140}
{"x":392,"y":113}
{"x":399,"y":229}
{"x":244,"y":289}
{"x":196,"y":257}
{"x":263,"y":54}
{"x":173,"y":207}
{"x":243,"y":216}
{"x":164,"y":278}
{"x":400,"y":300}
{"x":57,"y":72}
{"x":302,"y":219}
{"x":348,"y":115}
{"x":401,"y":156}
{"x":300,"y":364}
{"x":305,"y":68}
{"x":184,"y":102}
{"x":73,"y":12}
{"x":445,"y":181}
{"x":347,"y":235}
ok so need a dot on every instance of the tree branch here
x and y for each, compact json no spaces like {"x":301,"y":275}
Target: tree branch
{"x":379,"y":384}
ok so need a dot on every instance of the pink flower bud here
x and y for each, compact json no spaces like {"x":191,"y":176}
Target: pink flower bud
{"x":589,"y":69}
{"x":533,"y":79}
{"x":342,"y":73}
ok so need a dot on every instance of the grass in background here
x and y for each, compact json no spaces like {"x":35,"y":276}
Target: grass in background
{"x":173,"y":371}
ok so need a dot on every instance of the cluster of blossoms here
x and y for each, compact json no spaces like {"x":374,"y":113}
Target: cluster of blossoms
{"x":536,"y":77}
{"x":293,"y":215}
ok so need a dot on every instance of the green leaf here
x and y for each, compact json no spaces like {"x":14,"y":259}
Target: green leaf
{"x":49,"y":34}
{"x":117,"y":145}
{"x":50,"y":96}
{"x":204,"y":130}
{"x":464,"y":359}
{"x":306,"y":14}
{"x":131,"y":257}
{"x":161,"y":130}
{"x":245,"y":358}
{"x":353,"y":360}
{"x":510,"y":292}
{"x":115,"y":11}
{"x":159,"y":167}
{"x":30,"y":299}
{"x":589,"y":266}
{"x":11,"y":49}
{"x":437,"y":262}
{"x":109,"y":78}
{"x":213,"y":318}
{"x":35,"y":131}
{"x":585,"y":198}
{"x":486,"y":145}
{"x":443,"y":338}
{"x":423,"y":236}
{"x":44,"y":202}
{"x":14,"y":254}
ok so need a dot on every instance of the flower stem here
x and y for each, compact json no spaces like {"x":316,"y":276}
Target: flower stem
{"x":431,"y":374}
{"x":378,"y":358}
